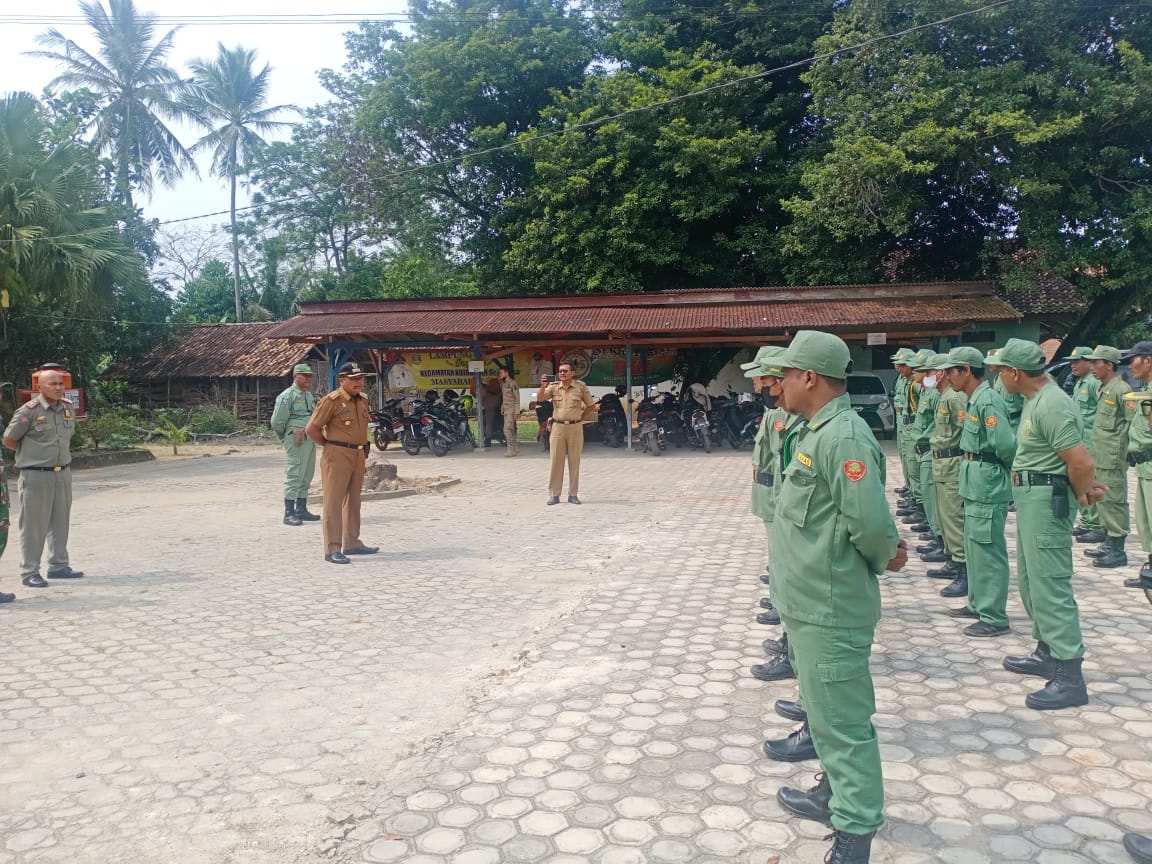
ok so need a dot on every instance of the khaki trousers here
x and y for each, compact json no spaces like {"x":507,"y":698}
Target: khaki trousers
{"x":341,"y":474}
{"x":950,"y":506}
{"x":45,"y":508}
{"x":510,"y":431}
{"x":565,"y":444}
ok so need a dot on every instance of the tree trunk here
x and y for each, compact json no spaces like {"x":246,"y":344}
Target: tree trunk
{"x":235,"y":250}
{"x":1099,"y":313}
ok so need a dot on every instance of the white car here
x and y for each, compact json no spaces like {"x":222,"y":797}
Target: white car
{"x":871,"y":401}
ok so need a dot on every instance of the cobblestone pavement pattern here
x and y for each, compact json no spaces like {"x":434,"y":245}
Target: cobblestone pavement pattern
{"x":214,"y":692}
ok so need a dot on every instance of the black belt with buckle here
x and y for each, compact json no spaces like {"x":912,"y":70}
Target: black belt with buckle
{"x":38,"y":468}
{"x":1135,"y":459}
{"x":947,"y":454}
{"x":982,"y":457}
{"x":1031,"y":478}
{"x":909,"y":419}
{"x":568,"y":422}
{"x":921,"y":449}
{"x":343,"y":444}
{"x":765,"y":479}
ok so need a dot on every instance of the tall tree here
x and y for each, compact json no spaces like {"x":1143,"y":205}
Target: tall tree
{"x":138,"y":93}
{"x":230,"y":99}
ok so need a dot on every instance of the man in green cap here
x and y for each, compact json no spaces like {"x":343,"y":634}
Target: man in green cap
{"x":1085,"y":394}
{"x":946,"y":459}
{"x":922,"y":442}
{"x":1014,"y":401}
{"x":899,"y":405}
{"x":1051,"y":470}
{"x":908,"y":398}
{"x":989,"y":445}
{"x":1109,"y":450}
{"x":1138,"y":410}
{"x":293,"y":408}
{"x":833,"y":523}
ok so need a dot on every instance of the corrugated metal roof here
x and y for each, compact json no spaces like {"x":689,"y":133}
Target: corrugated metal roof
{"x":734,"y":311}
{"x":221,"y":351}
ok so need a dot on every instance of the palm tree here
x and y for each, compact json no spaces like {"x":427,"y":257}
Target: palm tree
{"x":56,"y":248}
{"x":230,"y":99}
{"x":137,"y":89}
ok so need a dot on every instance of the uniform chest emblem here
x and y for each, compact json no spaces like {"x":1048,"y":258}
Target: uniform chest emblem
{"x":854,"y":469}
{"x":804,"y":459}
{"x":778,"y":425}
{"x":961,"y":415}
{"x":990,"y":421}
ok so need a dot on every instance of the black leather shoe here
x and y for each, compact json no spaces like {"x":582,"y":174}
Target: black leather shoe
{"x":572,"y":499}
{"x":779,"y":669}
{"x":791,"y":710}
{"x":766,"y":603}
{"x":1133,"y":583}
{"x":336,"y":558}
{"x":1039,"y":663}
{"x":931,"y":546}
{"x":935,"y":557}
{"x":1092,"y":537}
{"x":555,"y":499}
{"x":984,"y":629}
{"x":948,"y":571}
{"x":815,"y":804}
{"x":1096,"y":551}
{"x":1079,"y":531}
{"x":797,"y":747}
{"x":902,"y":490}
{"x":913,"y":517}
{"x":1114,"y":554}
{"x":302,"y":511}
{"x":779,"y":647}
{"x":920,"y":527}
{"x":34,"y":581}
{"x":769,"y":617}
{"x":65,"y":573}
{"x":1139,"y":847}
{"x":928,"y":535}
{"x":905,"y":511}
{"x":292,"y":519}
{"x":849,"y":848}
{"x":1065,"y":690}
{"x":6,"y":598}
{"x":765,"y":579}
{"x":963,"y":612}
{"x":362,"y":550}
{"x":958,"y":587}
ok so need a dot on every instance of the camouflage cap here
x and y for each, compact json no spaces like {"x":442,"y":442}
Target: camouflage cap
{"x":1017,"y":354}
{"x":1105,"y":352}
{"x":769,"y":357}
{"x":963,"y":355}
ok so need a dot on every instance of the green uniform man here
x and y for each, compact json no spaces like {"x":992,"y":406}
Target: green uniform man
{"x":899,"y":405}
{"x":921,"y":442}
{"x":946,"y":459}
{"x":832,"y":520}
{"x":910,"y":389}
{"x":1138,"y":409}
{"x":1014,"y":401}
{"x":989,"y":446}
{"x":4,"y":512}
{"x":1109,"y":450}
{"x":41,"y":434}
{"x":1085,"y":394}
{"x":1051,"y":472}
{"x":293,"y":408}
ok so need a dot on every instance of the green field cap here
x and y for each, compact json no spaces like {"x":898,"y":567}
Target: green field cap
{"x":903,"y":355}
{"x":920,"y":360}
{"x":823,"y":353}
{"x":769,"y":357}
{"x":1105,"y":352}
{"x":302,"y":369}
{"x":965,"y":356}
{"x":1018,"y":354}
{"x":1080,"y":352}
{"x":937,"y":362}
{"x":761,"y":355}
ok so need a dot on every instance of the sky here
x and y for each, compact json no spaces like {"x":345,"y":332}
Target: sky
{"x":296,"y":53}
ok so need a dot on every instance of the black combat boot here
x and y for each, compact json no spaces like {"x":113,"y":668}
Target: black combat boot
{"x":1079,"y":531}
{"x":778,"y":647}
{"x":815,"y":804}
{"x":302,"y":511}
{"x":1143,"y":578}
{"x":777,"y":669}
{"x":938,"y":556}
{"x":1038,"y":663}
{"x":1065,"y":690}
{"x":850,"y":848}
{"x":290,"y":517}
{"x":1139,"y":847}
{"x":1097,"y":551}
{"x":920,"y":527}
{"x":934,"y":544}
{"x":949,"y":571}
{"x":1114,"y":554}
{"x":791,"y":709}
{"x":797,"y":747}
{"x":1091,"y":536}
{"x":915,"y":516}
{"x":765,"y":578}
{"x":958,"y":587}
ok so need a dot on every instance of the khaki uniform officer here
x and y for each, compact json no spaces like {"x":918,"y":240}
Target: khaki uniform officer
{"x":946,"y":459}
{"x":340,"y":425}
{"x":833,"y":534}
{"x":41,"y":434}
{"x":1085,"y":395}
{"x":1051,"y":472}
{"x":293,"y":408}
{"x":989,"y":446}
{"x":572,"y":402}
{"x":1138,"y":409}
{"x":510,"y":407}
{"x":1109,"y":450}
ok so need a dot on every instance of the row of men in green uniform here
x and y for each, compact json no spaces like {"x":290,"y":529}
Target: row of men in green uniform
{"x":970,"y":448}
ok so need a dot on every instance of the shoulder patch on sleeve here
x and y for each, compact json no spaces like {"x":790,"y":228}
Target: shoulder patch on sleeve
{"x":854,"y":469}
{"x":778,"y":425}
{"x":990,"y":421}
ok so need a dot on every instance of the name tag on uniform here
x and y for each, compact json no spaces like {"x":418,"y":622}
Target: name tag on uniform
{"x":804,"y":459}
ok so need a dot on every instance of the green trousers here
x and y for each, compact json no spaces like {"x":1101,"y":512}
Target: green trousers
{"x":986,"y":550}
{"x":832,"y":667}
{"x":912,"y":467}
{"x":1144,"y":512}
{"x":1044,"y":571}
{"x":1113,"y":507}
{"x":45,"y":511}
{"x":299,"y":467}
{"x":901,"y":451}
{"x":950,"y":506}
{"x":768,"y":548}
{"x":1090,"y":519}
{"x":928,"y":490}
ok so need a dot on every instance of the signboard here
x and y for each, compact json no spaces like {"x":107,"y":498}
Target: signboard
{"x":877,"y":338}
{"x":476,"y":366}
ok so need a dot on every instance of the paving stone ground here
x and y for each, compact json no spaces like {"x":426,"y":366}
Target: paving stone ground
{"x":509,"y":682}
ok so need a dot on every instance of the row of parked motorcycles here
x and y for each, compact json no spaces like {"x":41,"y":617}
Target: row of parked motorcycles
{"x":438,"y":422}
{"x":696,"y":419}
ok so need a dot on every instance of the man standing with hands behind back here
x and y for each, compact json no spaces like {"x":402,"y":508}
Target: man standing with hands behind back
{"x":509,"y":408}
{"x":41,"y":434}
{"x":293,"y":408}
{"x":572,"y":402}
{"x":340,"y":425}
{"x":833,"y":523}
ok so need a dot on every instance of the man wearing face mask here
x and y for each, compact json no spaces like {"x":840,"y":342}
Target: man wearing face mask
{"x":922,"y":442}
{"x":946,"y":459}
{"x":1051,"y":470}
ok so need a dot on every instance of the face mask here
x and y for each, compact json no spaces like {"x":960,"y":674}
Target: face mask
{"x":930,"y":380}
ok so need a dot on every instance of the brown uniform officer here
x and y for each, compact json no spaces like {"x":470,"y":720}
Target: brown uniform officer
{"x":340,"y":425}
{"x":572,"y":402}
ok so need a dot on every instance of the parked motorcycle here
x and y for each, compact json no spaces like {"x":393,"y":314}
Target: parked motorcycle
{"x":381,"y":424}
{"x":652,"y":437}
{"x":735,"y":418}
{"x":612,"y":420}
{"x":451,"y":410}
{"x":696,"y":404}
{"x":544,"y":421}
{"x":410,"y":429}
{"x":669,"y":418}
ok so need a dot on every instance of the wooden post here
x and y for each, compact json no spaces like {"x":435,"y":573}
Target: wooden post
{"x":257,"y":398}
{"x":236,"y":398}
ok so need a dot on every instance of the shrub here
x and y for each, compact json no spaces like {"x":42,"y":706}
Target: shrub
{"x":118,"y":423}
{"x":213,"y":420}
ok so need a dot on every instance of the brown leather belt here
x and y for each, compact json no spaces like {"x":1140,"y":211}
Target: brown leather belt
{"x":567,"y":422}
{"x":37,"y":468}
